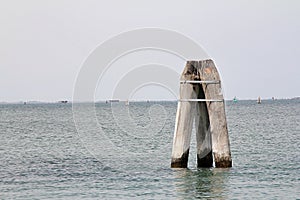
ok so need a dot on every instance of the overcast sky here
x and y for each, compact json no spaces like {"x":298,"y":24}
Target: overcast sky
{"x":43,"y":44}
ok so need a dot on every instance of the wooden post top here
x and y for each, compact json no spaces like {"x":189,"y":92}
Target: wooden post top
{"x":204,"y":70}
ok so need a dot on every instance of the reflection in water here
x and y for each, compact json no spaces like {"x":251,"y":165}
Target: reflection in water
{"x":201,"y":183}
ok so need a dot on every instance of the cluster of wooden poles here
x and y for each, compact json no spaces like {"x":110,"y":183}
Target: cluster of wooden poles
{"x":201,"y":103}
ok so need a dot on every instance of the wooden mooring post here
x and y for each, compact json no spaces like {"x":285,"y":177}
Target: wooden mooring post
{"x":201,"y":100}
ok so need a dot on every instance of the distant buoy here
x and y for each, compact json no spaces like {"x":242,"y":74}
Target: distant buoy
{"x":235,"y":100}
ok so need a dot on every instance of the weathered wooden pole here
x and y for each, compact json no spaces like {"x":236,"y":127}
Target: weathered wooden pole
{"x":201,"y":99}
{"x":184,"y":120}
{"x":203,"y":134}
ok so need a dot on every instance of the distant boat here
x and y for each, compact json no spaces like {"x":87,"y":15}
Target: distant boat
{"x":235,"y":99}
{"x":259,"y":100}
{"x":63,"y":101}
{"x":127,"y":103}
{"x":114,"y":100}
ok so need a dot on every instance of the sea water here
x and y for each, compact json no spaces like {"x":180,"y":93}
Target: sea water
{"x":43,"y":155}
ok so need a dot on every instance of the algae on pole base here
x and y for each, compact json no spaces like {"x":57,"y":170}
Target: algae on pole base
{"x":201,"y":100}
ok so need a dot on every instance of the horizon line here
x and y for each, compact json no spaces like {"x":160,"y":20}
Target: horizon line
{"x":132,"y":100}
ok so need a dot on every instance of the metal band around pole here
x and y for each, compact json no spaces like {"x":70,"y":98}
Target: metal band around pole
{"x":200,"y":100}
{"x":207,"y":82}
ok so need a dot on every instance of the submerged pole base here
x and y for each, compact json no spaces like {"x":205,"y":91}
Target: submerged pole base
{"x":180,"y":162}
{"x":223,"y":162}
{"x":206,"y":161}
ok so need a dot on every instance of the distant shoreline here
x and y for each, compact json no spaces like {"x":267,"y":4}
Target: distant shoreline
{"x":124,"y":101}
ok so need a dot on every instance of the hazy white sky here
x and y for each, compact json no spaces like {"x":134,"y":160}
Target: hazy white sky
{"x":44,"y":43}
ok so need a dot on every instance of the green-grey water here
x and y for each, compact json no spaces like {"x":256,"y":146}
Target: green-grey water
{"x":42,"y":156}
